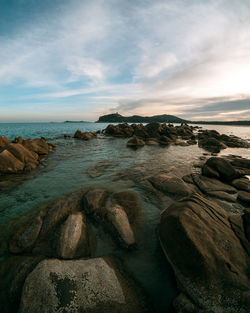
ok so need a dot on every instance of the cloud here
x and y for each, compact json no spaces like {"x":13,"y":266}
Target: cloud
{"x":144,"y":57}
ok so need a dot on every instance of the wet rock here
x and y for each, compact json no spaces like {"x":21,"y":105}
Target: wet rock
{"x":206,"y":184}
{"x":207,"y":255}
{"x":4,"y":141}
{"x":73,"y":240}
{"x":130,"y":203}
{"x":222,"y":196}
{"x":211,"y":144}
{"x":9,"y":163}
{"x":13,"y":272}
{"x":210,"y":172}
{"x":241,"y":163}
{"x":18,"y":139}
{"x":85,"y":136}
{"x":39,"y":146}
{"x":164,"y":141}
{"x":192,"y":142}
{"x":221,"y":167}
{"x":170,"y":184}
{"x":119,"y":220}
{"x":89,"y":286}
{"x":25,"y":239}
{"x":94,"y":200}
{"x":78,"y":134}
{"x":58,"y":211}
{"x":182,"y":304}
{"x":120,"y":130}
{"x":244,"y":196}
{"x":152,"y":142}
{"x":135,"y":142}
{"x":29,"y":158}
{"x":246,"y":222}
{"x":153,"y":129}
{"x":242,"y":184}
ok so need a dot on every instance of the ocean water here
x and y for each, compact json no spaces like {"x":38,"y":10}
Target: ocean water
{"x":69,"y":168}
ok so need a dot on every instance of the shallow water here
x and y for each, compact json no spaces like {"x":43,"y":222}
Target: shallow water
{"x":67,"y":169}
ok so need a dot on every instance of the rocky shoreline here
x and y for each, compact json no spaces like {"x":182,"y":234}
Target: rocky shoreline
{"x":51,"y":265}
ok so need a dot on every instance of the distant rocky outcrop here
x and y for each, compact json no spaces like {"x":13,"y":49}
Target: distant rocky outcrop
{"x":117,"y":118}
{"x":22,"y":155}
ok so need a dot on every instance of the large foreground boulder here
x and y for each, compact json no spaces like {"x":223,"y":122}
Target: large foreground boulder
{"x":90,"y":286}
{"x":209,"y":254}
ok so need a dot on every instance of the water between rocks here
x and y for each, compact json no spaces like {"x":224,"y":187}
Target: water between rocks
{"x":105,"y":162}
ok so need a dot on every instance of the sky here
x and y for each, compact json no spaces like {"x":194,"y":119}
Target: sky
{"x":79,"y":59}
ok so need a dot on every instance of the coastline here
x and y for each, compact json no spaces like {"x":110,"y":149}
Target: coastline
{"x":155,"y":184}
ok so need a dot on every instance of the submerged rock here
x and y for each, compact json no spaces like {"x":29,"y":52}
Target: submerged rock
{"x":209,"y":255}
{"x":89,"y":286}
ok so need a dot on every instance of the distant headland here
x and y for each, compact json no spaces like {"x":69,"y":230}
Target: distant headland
{"x":118,"y":118}
{"x":76,"y":122}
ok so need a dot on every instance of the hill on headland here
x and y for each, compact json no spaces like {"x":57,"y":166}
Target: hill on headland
{"x":117,"y":118}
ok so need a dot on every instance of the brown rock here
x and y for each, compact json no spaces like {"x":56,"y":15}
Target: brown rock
{"x":221,"y":166}
{"x":4,"y":141}
{"x":94,"y":200}
{"x":242,"y":184}
{"x":29,"y":158}
{"x":210,"y":262}
{"x":206,"y":184}
{"x":24,"y":240}
{"x":170,"y":184}
{"x":39,"y":146}
{"x":135,"y":142}
{"x":130,"y":202}
{"x":9,"y":163}
{"x":244,"y":196}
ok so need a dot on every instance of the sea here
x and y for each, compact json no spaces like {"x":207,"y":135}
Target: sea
{"x":71,"y":166}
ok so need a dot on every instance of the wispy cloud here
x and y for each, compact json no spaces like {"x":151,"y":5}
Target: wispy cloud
{"x":189,"y":58}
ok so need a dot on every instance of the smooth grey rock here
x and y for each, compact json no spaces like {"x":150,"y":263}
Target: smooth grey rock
{"x":89,"y":286}
{"x":119,"y":219}
{"x":73,"y":233}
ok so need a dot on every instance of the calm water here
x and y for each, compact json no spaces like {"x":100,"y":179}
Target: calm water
{"x":67,"y":169}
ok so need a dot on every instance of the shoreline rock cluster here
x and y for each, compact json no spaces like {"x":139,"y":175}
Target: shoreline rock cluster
{"x":51,"y":247}
{"x":165,"y":134}
{"x":22,"y":155}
